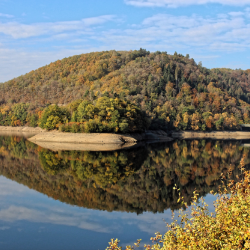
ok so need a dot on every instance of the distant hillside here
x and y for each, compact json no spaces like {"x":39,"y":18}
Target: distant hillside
{"x":172,"y":91}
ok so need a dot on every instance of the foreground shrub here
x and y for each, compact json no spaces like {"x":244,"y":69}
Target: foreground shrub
{"x":227,"y":228}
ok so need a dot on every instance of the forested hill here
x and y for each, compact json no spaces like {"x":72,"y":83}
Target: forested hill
{"x":171,"y":91}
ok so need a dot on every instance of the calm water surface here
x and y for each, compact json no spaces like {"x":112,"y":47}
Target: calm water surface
{"x":72,"y":200}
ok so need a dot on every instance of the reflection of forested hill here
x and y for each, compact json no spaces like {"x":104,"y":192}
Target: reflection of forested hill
{"x":133,"y":181}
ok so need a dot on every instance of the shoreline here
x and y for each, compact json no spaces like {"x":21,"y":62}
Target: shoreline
{"x":216,"y":135}
{"x":96,"y":141}
{"x":100,"y":138}
{"x":41,"y":136}
{"x":55,"y":140}
{"x":25,"y":132}
{"x":21,"y":129}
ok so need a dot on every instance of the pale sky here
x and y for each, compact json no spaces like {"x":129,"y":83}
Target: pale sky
{"x":35,"y":33}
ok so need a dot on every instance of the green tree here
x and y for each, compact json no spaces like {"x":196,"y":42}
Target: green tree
{"x":19,"y":111}
{"x":82,"y":114}
{"x":53,"y":116}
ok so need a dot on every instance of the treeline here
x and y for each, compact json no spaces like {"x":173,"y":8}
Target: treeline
{"x":106,"y":115}
{"x":171,"y":92}
{"x":135,"y":180}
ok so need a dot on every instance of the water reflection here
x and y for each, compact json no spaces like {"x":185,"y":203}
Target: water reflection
{"x":135,"y":180}
{"x":38,"y":222}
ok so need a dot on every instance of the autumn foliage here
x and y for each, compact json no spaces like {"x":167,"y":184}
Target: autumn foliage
{"x":171,"y":91}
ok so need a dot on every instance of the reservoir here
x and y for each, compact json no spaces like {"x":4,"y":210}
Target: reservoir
{"x":80,"y":199}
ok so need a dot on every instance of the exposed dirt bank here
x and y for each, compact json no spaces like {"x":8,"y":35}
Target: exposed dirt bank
{"x":25,"y":132}
{"x":220,"y":135}
{"x":99,"y":138}
{"x":21,"y":129}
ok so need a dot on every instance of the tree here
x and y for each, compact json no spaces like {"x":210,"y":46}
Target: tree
{"x":176,"y":78}
{"x":81,"y":111}
{"x":19,"y":111}
{"x":185,"y":122}
{"x":195,"y":122}
{"x":52,"y":122}
{"x":53,"y":116}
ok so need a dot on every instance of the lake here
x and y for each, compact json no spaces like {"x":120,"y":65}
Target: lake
{"x":80,"y":200}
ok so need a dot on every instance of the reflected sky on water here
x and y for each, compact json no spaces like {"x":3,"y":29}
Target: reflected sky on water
{"x":30,"y":220}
